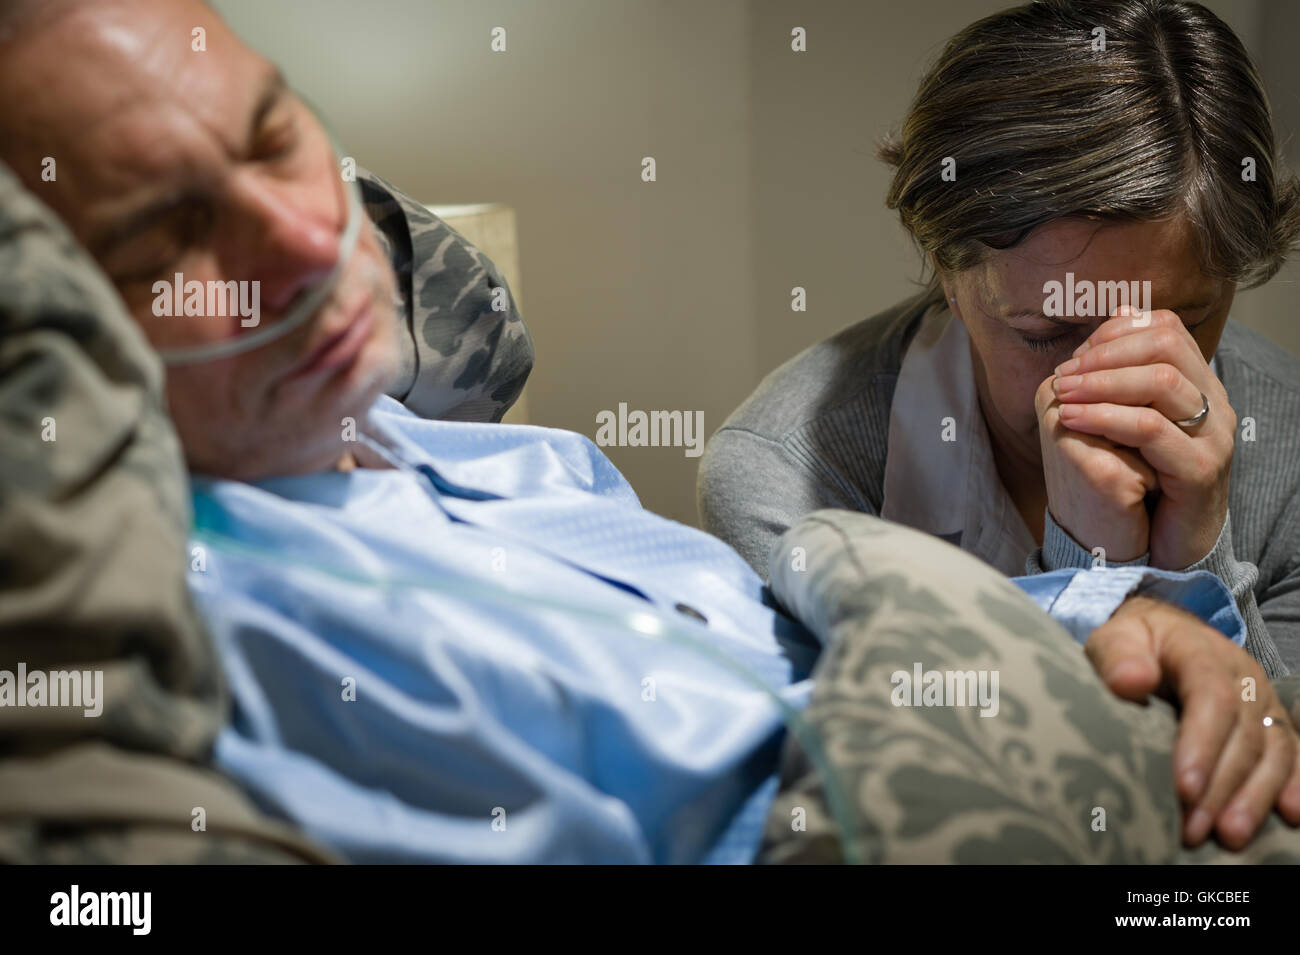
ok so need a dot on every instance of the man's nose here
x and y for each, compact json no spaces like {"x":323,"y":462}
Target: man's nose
{"x":290,"y":240}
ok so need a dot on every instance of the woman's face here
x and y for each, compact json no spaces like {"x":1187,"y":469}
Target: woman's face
{"x":1014,"y":346}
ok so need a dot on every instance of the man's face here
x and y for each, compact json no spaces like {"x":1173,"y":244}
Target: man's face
{"x":1014,"y":347}
{"x":172,"y":160}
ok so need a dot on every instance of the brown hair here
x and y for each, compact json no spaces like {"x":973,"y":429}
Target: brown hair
{"x":1043,"y":126}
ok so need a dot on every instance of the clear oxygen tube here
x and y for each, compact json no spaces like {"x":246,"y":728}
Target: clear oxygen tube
{"x":303,"y":307}
{"x":648,"y":624}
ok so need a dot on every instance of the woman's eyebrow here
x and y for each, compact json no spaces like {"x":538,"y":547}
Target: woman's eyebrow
{"x":1038,"y":313}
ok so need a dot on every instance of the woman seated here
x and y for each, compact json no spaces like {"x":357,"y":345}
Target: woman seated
{"x":1089,"y":185}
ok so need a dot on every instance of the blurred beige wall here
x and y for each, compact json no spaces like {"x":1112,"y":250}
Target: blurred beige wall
{"x":1271,"y":309}
{"x":672,"y":295}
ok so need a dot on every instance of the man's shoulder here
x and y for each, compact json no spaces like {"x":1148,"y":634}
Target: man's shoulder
{"x":851,"y":365}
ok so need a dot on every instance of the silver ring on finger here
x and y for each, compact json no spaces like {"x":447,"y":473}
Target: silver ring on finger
{"x":1187,"y":424}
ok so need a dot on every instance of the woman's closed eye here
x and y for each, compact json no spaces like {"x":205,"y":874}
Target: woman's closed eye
{"x":1073,"y":337}
{"x":1056,"y":342}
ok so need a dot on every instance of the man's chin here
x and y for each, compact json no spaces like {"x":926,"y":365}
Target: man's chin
{"x":308,"y":424}
{"x":349,"y":395}
{"x":287,"y":451}
{"x":375,"y":369}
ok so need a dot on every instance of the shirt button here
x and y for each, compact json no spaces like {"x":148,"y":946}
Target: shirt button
{"x":690,"y":611}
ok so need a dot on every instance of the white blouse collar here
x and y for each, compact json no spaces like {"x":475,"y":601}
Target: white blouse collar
{"x":940,"y":475}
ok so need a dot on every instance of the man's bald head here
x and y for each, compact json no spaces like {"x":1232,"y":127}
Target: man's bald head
{"x":66,"y":65}
{"x":20,"y":19}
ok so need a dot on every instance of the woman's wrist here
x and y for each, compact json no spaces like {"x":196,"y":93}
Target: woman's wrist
{"x":1060,"y":551}
{"x":1220,"y":560}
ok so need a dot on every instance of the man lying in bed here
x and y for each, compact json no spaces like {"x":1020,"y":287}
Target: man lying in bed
{"x":459,"y":641}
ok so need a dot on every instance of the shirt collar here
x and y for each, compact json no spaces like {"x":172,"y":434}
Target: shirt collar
{"x":940,"y":474}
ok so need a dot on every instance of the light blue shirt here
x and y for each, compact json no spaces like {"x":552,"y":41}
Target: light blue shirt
{"x":492,"y":653}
